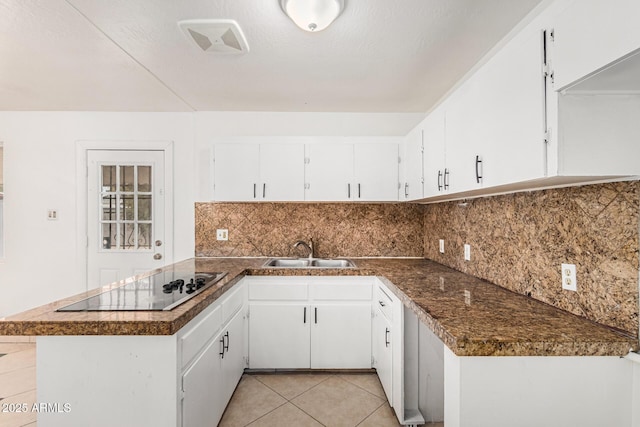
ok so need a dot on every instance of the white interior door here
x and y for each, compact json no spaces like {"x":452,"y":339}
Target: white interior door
{"x":126,"y":214}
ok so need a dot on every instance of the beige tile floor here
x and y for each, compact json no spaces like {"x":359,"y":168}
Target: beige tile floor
{"x":309,"y":400}
{"x":17,"y":383}
{"x":327,"y":399}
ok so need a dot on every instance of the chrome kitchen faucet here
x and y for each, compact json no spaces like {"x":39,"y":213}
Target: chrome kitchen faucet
{"x":308,"y":246}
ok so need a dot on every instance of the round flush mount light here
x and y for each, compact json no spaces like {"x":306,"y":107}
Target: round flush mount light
{"x":312,"y":15}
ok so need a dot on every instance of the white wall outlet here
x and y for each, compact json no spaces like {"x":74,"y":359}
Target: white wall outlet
{"x":52,"y":215}
{"x":222,"y":234}
{"x":441,"y":245}
{"x":569,"y":277}
{"x":467,"y":252}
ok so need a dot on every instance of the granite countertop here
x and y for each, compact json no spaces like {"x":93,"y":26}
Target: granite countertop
{"x":471,"y":316}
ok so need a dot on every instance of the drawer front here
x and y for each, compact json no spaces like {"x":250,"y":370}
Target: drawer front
{"x":340,"y":291}
{"x":233,"y":303}
{"x":203,"y":330}
{"x":278,"y":292}
{"x":384,"y":302}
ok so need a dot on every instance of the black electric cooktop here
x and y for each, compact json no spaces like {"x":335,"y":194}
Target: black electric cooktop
{"x":161,"y":291}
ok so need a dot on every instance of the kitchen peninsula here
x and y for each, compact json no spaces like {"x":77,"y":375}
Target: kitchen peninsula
{"x":469,"y":324}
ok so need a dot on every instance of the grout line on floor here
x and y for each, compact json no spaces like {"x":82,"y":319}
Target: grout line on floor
{"x":290,"y":400}
{"x":373,"y":412}
{"x":264,"y":415}
{"x":362,"y":388}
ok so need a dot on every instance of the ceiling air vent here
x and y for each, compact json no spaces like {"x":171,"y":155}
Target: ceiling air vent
{"x":215,"y":35}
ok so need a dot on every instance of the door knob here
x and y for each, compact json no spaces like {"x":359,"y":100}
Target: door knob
{"x":157,"y":256}
{"x":158,"y":242}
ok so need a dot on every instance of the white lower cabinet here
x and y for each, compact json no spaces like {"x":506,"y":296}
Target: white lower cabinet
{"x":320,"y":322}
{"x":341,"y":336}
{"x":233,"y":355}
{"x":276,"y":331}
{"x":202,"y":402}
{"x":396,"y":354}
{"x":217,"y":338}
{"x":382,"y":335}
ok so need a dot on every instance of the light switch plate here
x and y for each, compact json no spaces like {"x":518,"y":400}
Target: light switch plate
{"x":222,"y":234}
{"x":441,"y":245}
{"x":467,"y":252}
{"x":569,"y":282}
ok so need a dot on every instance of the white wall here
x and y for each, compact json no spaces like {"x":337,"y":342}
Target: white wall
{"x":45,"y":260}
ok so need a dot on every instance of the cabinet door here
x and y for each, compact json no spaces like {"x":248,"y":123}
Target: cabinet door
{"x":589,"y":35}
{"x":279,"y":336}
{"x":341,"y":336}
{"x":507,"y":120}
{"x":281,"y":172}
{"x":434,"y":161}
{"x":236,"y":171}
{"x":411,"y":164}
{"x":376,"y":172}
{"x":233,"y":360}
{"x":461,"y":143}
{"x":329,"y":172}
{"x":204,"y":402}
{"x":382,"y":336}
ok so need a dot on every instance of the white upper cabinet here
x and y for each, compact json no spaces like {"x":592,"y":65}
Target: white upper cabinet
{"x":258,"y":172}
{"x":434,"y":153}
{"x":411,"y":165}
{"x":507,"y":123}
{"x":375,"y":172}
{"x":352,"y":172}
{"x":329,"y":172}
{"x":461,"y":142}
{"x":236,"y":172}
{"x":490,"y":131}
{"x":331,"y":169}
{"x":507,"y":128}
{"x":596,"y":65}
{"x":590,"y":35}
{"x":281,"y":172}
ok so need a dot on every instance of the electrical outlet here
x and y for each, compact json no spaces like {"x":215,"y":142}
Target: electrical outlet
{"x":569,"y":277}
{"x":222,"y":234}
{"x":467,"y":252}
{"x":52,"y":215}
{"x":441,"y":243}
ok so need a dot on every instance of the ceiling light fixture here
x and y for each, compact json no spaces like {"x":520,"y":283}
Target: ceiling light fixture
{"x":312,"y":15}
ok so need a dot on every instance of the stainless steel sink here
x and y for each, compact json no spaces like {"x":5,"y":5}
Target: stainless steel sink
{"x":309,"y":263}
{"x":290,"y":263}
{"x":332,"y":263}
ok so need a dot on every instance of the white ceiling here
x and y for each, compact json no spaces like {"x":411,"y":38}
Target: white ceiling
{"x":130,"y":55}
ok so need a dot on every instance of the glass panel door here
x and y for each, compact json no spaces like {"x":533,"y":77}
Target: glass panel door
{"x":126,"y":207}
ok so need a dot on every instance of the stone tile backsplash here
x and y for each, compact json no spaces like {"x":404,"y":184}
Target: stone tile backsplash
{"x":518,"y":241}
{"x":337,"y":229}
